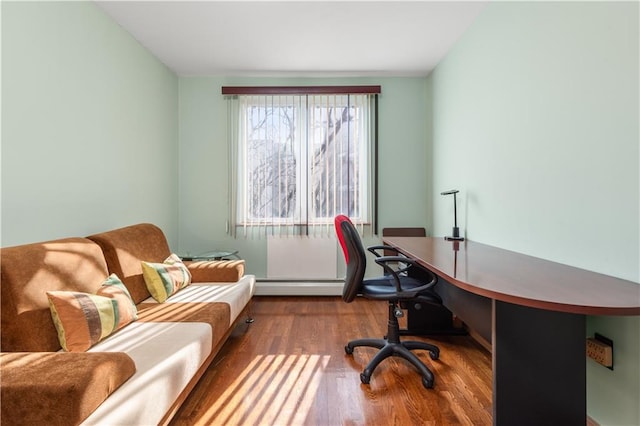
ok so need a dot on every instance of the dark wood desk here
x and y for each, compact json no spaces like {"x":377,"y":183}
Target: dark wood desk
{"x":538,"y":315}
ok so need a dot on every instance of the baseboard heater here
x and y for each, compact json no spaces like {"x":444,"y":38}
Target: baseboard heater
{"x":300,"y":266}
{"x":273,"y":287}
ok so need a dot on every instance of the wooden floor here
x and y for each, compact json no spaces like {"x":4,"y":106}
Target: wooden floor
{"x":289,"y":368}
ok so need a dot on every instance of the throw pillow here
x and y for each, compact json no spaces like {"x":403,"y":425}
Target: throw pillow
{"x":165,"y":279}
{"x":83,"y":319}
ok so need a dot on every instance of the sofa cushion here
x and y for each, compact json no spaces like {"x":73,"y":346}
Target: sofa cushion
{"x":28,"y":272}
{"x":166,"y":278}
{"x":217,"y":314}
{"x":84,"y":319}
{"x":228,"y":271}
{"x":125,"y":248}
{"x":167,"y":356}
{"x":237,"y":295}
{"x":58,"y":388}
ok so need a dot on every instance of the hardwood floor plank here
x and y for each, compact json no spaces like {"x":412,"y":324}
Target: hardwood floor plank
{"x":289,"y":368}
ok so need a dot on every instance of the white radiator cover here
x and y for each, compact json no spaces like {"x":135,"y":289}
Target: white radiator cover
{"x":298,"y":288}
{"x":301,"y":258}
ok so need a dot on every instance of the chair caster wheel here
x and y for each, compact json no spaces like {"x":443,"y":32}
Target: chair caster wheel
{"x":348,"y":349}
{"x":427,"y":383}
{"x":434,"y":355}
{"x":364,"y":378}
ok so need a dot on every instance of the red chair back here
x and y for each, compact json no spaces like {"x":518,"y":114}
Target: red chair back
{"x":354,"y":256}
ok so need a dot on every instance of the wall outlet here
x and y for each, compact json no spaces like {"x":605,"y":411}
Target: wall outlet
{"x":600,"y":349}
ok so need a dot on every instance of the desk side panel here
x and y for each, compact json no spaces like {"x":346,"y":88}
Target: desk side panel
{"x":539,"y":367}
{"x":474,"y":310}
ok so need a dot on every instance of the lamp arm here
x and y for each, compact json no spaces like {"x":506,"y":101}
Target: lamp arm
{"x":455,"y":211}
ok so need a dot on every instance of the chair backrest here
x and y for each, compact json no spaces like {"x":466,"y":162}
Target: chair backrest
{"x":354,"y":256}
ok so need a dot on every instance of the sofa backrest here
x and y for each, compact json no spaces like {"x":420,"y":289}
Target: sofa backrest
{"x":27,"y":273}
{"x":125,"y":248}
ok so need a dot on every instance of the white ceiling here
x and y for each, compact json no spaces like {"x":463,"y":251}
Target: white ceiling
{"x":296,"y":38}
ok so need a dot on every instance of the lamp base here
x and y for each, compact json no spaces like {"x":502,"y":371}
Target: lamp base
{"x":456,"y":235}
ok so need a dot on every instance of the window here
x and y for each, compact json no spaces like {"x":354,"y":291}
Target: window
{"x":298,"y":160}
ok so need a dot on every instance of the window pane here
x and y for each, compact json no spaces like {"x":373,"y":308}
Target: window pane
{"x":335,"y":161}
{"x":271,"y":161}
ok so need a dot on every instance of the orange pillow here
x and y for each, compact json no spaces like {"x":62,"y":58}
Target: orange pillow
{"x":83,"y":319}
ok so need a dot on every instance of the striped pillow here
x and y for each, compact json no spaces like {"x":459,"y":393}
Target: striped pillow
{"x":83,"y":319}
{"x":165,"y":279}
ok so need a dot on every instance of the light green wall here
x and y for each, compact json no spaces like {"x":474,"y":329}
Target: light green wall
{"x":535,"y":120}
{"x":89,"y":126}
{"x":404,"y":176}
{"x":534,"y":117}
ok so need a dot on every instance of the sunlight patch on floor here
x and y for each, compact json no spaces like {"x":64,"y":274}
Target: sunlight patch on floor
{"x":273,"y":389}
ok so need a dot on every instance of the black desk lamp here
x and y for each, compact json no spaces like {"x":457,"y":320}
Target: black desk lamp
{"x":456,"y":231}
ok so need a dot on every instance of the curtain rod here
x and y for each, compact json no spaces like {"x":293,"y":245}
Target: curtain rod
{"x":299,"y":90}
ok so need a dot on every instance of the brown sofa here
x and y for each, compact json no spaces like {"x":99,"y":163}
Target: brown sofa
{"x":143,"y":372}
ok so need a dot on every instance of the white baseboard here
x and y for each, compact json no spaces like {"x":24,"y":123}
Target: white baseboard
{"x":299,"y":288}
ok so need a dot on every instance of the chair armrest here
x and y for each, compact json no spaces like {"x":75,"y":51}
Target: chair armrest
{"x":374,"y":249}
{"x":384,"y":260}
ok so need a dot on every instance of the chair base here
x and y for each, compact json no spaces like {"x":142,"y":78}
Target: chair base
{"x":392,"y":346}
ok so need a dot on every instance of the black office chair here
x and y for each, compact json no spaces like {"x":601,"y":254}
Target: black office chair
{"x":396,"y":288}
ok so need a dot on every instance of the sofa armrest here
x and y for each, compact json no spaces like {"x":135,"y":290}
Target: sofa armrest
{"x":58,"y":388}
{"x":216,"y":271}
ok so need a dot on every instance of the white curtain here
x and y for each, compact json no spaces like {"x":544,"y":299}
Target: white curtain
{"x":297,"y":161}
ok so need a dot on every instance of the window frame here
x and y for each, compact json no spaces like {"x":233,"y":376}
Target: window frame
{"x":369,"y":217}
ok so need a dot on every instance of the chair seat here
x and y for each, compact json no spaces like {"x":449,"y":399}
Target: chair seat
{"x":384,"y":288}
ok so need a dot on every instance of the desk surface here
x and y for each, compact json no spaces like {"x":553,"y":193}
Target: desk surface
{"x":520,"y":279}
